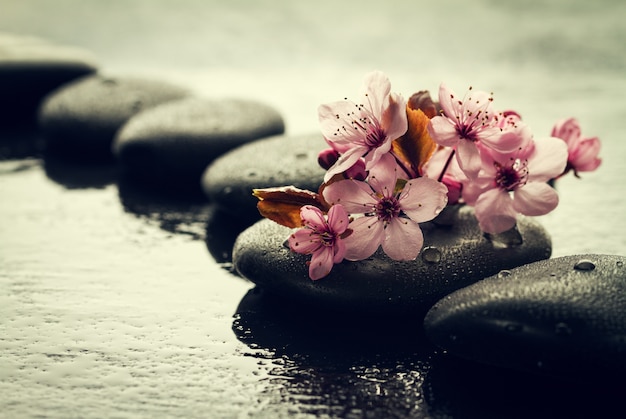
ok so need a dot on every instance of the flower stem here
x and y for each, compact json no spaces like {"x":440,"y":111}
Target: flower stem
{"x":445,"y":167}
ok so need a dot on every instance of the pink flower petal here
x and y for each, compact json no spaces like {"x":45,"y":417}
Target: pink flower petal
{"x":548,"y":159}
{"x":443,"y":132}
{"x":585,"y":158}
{"x":313,"y":216}
{"x":321,"y":263}
{"x":422,"y":199}
{"x":507,"y":141}
{"x":469,"y":159}
{"x":393,"y":119}
{"x":403,"y":239}
{"x":304,"y":241}
{"x":338,"y":219}
{"x":535,"y":198}
{"x":384,"y":175}
{"x":367,"y":235}
{"x":336,"y":122}
{"x":568,"y":130}
{"x":446,"y":100}
{"x":494,"y":211}
{"x":339,"y":251}
{"x":376,"y":87}
{"x":355,"y":196}
{"x":345,"y":162}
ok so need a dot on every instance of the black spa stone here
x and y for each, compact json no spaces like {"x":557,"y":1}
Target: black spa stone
{"x":276,"y":161}
{"x":453,"y":257}
{"x":564,"y":317}
{"x":30,"y":68}
{"x":81,"y":118}
{"x":175,"y":142}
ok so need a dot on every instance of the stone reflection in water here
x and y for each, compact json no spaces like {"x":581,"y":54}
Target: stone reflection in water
{"x":336,"y":364}
{"x":74,"y":174}
{"x":175,"y":211}
{"x":457,"y":388}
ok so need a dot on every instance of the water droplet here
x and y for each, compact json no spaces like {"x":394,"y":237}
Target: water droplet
{"x":251,"y":173}
{"x":452,"y":337}
{"x":504,"y":273}
{"x":431,"y":254}
{"x":109,"y":82}
{"x":619,"y":264}
{"x":513,"y":327}
{"x":302,"y":155}
{"x":509,"y":238}
{"x":562,"y":329}
{"x":227,"y":190}
{"x":584,"y":265}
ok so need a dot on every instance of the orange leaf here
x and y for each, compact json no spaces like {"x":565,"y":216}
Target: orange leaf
{"x":416,"y":146}
{"x":283,"y":204}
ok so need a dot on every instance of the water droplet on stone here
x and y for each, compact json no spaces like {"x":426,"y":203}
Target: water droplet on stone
{"x":584,"y":265}
{"x":431,"y":254}
{"x":509,"y":238}
{"x":562,"y":329}
{"x":513,"y":327}
{"x":504,"y":273}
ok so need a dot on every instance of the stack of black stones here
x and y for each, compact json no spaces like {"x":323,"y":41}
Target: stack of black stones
{"x":493,"y":300}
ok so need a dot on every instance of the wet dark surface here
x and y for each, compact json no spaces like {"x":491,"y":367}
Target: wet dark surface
{"x":117,"y":299}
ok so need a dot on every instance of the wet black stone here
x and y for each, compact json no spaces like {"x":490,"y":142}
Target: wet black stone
{"x":81,"y":118}
{"x":379,"y":285}
{"x":176,"y":141}
{"x":276,"y":161}
{"x":563,"y":317}
{"x":30,"y":68}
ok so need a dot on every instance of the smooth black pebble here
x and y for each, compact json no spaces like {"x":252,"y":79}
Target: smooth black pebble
{"x":174,"y":142}
{"x":81,"y":118}
{"x":276,"y":161}
{"x":453,"y":257}
{"x":564,"y":317}
{"x":30,"y":68}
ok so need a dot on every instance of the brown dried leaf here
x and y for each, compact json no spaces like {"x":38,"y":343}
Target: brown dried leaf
{"x":416,"y":146}
{"x":282,"y":204}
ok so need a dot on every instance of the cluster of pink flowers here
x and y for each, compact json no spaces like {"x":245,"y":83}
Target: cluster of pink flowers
{"x":374,"y":196}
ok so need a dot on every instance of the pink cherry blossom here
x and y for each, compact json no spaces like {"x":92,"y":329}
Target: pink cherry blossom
{"x":466,"y":123}
{"x":582,"y":152}
{"x":366,"y":129}
{"x":321,"y":237}
{"x":388,"y":216}
{"x":516,"y":183}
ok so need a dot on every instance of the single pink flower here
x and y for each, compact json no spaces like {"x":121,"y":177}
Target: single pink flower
{"x":321,"y":237}
{"x":516,"y":183}
{"x":389,"y":216}
{"x":582,"y":152}
{"x":363,"y":130}
{"x":466,"y":123}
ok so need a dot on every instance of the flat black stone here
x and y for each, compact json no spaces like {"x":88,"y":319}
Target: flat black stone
{"x":30,"y":68}
{"x":175,"y":142}
{"x":453,"y":257}
{"x":82,"y":117}
{"x":563,"y":316}
{"x":276,"y":161}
